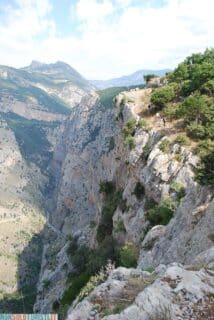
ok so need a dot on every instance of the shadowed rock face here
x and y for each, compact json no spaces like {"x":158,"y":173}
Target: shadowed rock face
{"x":31,"y":120}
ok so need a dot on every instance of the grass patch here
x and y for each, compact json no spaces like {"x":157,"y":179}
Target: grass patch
{"x":164,"y":146}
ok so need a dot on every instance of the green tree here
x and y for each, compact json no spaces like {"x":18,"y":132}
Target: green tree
{"x":161,"y":96}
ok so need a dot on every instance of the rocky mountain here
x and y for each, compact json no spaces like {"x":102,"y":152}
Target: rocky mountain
{"x":134,"y":79}
{"x":125,"y":227}
{"x":32,"y":112}
{"x":57,"y":73}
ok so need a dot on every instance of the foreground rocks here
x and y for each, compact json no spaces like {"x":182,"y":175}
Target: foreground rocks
{"x":170,"y":292}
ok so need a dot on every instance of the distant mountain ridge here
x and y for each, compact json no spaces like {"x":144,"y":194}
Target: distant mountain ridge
{"x":58,"y":71}
{"x":135,"y":78}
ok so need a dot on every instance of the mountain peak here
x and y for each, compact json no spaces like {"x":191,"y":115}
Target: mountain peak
{"x":35,"y":64}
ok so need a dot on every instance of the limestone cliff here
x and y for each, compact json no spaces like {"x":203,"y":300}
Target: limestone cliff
{"x":93,"y":149}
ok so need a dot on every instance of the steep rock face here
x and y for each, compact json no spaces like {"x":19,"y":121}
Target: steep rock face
{"x":85,"y":156}
{"x":82,"y":159}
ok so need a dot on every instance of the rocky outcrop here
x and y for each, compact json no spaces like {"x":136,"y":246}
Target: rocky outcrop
{"x":170,"y":292}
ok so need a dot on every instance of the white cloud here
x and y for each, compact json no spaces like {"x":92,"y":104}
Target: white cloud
{"x":111,"y":41}
{"x":88,"y":10}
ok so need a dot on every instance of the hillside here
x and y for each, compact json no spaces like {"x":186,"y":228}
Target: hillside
{"x":134,"y":79}
{"x":31,"y":117}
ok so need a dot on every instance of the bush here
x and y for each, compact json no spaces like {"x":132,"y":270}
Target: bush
{"x":107,"y":187}
{"x":204,"y":147}
{"x":182,"y":139}
{"x":163,"y":95}
{"x":130,"y":142}
{"x":142,"y":124}
{"x":120,"y":226}
{"x":178,"y":156}
{"x":146,"y":150}
{"x":128,"y":133}
{"x":100,"y":256}
{"x":95,"y":280}
{"x":112,"y":200}
{"x":205,"y":170}
{"x":78,"y":282}
{"x":129,"y":128}
{"x":196,"y":131}
{"x":161,"y":214}
{"x":128,"y":255}
{"x":171,"y":110}
{"x":148,"y":77}
{"x":139,"y":190}
{"x":178,"y":188}
{"x":208,"y":88}
{"x":164,"y":146}
{"x":187,"y":87}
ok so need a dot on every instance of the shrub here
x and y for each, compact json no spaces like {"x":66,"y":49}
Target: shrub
{"x":182,"y":139}
{"x":171,"y":110}
{"x":100,"y":256}
{"x":46,"y":283}
{"x":142,"y":124}
{"x":146,"y":150}
{"x":120,"y":226}
{"x":148,"y":77}
{"x":164,"y":146}
{"x":205,"y":170}
{"x":107,"y":187}
{"x":79,"y":258}
{"x":204,"y":147}
{"x":129,"y":128}
{"x":139,"y":190}
{"x":124,"y":100}
{"x":113,"y":199}
{"x":178,"y":188}
{"x":78,"y":282}
{"x":95,"y":280}
{"x":130,"y":142}
{"x":178,"y":155}
{"x":208,"y":88}
{"x":161,"y":214}
{"x":196,"y":131}
{"x":187,"y":87}
{"x":163,"y":95}
{"x":128,"y":255}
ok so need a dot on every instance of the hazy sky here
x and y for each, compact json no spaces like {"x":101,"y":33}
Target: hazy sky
{"x":104,"y":38}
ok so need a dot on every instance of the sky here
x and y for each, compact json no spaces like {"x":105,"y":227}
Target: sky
{"x":104,"y":38}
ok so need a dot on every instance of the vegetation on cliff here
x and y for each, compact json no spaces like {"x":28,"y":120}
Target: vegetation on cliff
{"x":189,"y":96}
